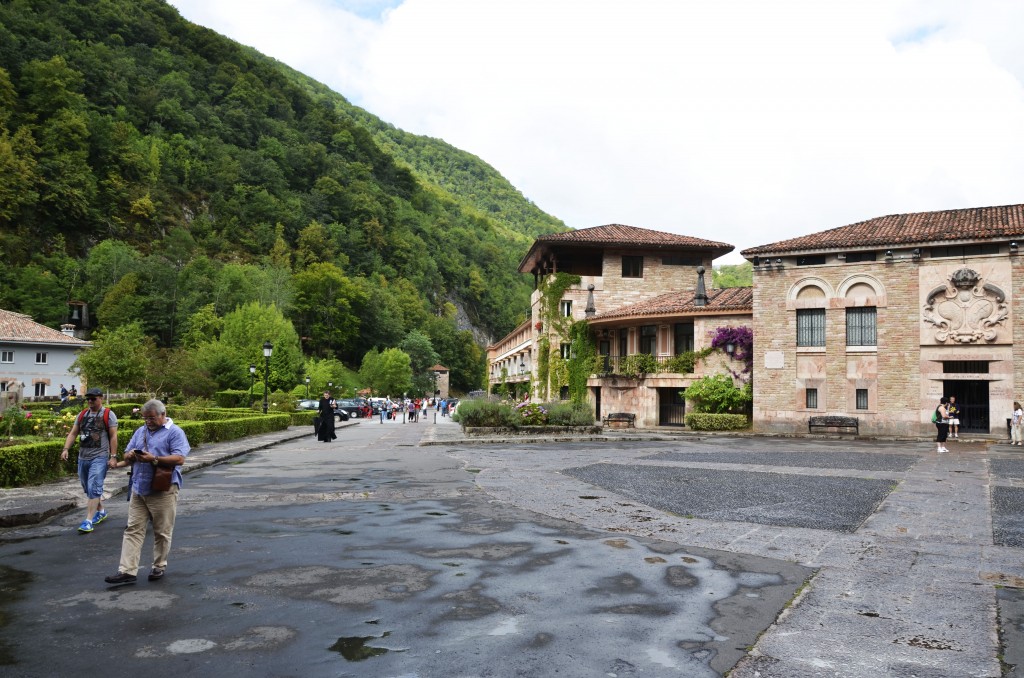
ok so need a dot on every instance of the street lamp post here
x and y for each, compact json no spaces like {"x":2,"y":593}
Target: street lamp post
{"x":268,"y":348}
{"x":252,"y":381}
{"x":434,"y":375}
{"x":307,"y":388}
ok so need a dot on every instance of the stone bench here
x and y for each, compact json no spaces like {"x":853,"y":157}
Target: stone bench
{"x":834,"y":421}
{"x":620,"y":420}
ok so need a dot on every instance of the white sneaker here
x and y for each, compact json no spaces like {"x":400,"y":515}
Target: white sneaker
{"x":941,"y":450}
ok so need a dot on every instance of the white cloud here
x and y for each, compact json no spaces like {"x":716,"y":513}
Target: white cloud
{"x":737,"y":120}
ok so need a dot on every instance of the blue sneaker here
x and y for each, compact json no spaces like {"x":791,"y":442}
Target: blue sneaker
{"x":86,"y":526}
{"x":99,"y":517}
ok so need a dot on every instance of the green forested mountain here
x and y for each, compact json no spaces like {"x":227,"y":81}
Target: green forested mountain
{"x":451,"y":169}
{"x":164,"y":174}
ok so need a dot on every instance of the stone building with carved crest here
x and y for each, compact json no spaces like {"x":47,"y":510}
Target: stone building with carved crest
{"x":880,"y":319}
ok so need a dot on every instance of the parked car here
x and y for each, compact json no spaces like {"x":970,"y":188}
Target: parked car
{"x":350,"y":407}
{"x":307,"y":405}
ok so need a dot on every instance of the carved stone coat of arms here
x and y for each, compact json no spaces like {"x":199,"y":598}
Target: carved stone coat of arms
{"x":966,"y":310}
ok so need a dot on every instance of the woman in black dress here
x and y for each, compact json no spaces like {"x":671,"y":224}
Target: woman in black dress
{"x":325,"y":417}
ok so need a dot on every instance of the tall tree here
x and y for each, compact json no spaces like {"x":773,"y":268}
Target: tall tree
{"x":118,"y":359}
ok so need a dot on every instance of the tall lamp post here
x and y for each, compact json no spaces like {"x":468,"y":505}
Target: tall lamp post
{"x":252,"y":381}
{"x":307,"y":388}
{"x":268,"y":348}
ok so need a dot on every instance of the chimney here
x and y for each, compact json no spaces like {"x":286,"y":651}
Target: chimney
{"x":67,"y":330}
{"x":590,"y":311}
{"x":700,"y":298}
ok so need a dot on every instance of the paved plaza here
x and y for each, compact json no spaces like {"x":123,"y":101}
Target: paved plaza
{"x":870,"y":558}
{"x":916,"y":554}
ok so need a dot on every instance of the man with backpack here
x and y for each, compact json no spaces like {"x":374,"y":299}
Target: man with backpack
{"x":96,"y":430}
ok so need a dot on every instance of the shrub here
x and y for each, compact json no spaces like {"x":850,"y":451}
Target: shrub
{"x":484,"y":413}
{"x":706,"y":421}
{"x":716,"y":393}
{"x":530,"y":414}
{"x":570,"y":414}
{"x":638,"y":364}
{"x":236,"y":398}
{"x":18,"y":422}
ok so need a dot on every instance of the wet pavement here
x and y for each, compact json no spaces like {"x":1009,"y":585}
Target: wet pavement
{"x":635,"y":553}
{"x":372,"y":556}
{"x":917,"y":588}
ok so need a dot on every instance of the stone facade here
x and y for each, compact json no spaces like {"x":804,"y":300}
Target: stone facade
{"x":926,"y":325}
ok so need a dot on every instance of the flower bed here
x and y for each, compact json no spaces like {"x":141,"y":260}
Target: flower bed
{"x":531,"y":430}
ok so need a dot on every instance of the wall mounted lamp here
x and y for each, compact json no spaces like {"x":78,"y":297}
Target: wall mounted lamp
{"x":916,"y":253}
{"x":888,"y":255}
{"x":841,"y":256}
{"x":1013,"y":247}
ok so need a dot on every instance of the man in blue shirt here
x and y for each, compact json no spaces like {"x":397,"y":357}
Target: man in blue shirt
{"x":157,"y":443}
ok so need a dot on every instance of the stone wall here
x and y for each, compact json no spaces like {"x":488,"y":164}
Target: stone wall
{"x":903,"y":373}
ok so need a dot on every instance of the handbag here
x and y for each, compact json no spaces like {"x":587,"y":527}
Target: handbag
{"x":162,"y":477}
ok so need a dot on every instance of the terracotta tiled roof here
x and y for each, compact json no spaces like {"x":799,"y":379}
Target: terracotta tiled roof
{"x":19,"y":328}
{"x":681,"y":303}
{"x":617,"y":234}
{"x":976,"y":223}
{"x":621,"y":237}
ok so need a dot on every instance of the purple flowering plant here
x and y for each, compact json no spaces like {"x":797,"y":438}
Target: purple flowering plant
{"x":742,"y":339}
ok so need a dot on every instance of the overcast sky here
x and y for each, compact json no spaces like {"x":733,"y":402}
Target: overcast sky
{"x":745,"y":121}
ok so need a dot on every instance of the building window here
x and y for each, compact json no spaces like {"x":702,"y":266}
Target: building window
{"x":563,"y":393}
{"x":566,"y":351}
{"x":681,"y":260}
{"x":3,"y":386}
{"x":604,"y":347}
{"x":965,"y":366}
{"x":861,"y":326}
{"x":623,"y":342}
{"x":816,"y":260}
{"x":857,"y":257}
{"x":649,"y":339}
{"x":812,"y":398}
{"x":6,"y":356}
{"x":963,"y":251}
{"x":40,"y":389}
{"x":810,"y":327}
{"x":41,"y":358}
{"x":565,"y":308}
{"x":862,"y":399}
{"x":632,"y":267}
{"x":684,"y":337}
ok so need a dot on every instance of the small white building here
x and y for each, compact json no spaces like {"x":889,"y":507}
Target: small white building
{"x":36,"y":357}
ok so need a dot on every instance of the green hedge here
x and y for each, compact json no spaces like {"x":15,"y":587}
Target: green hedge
{"x":489,"y":414}
{"x":34,"y":463}
{"x":706,"y":421}
{"x":484,"y":413}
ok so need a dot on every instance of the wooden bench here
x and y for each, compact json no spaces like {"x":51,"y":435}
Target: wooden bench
{"x":834,"y":421}
{"x":620,"y":420}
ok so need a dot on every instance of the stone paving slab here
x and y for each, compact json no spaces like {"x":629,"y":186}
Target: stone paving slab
{"x":1008,"y":516}
{"x":839,"y":504}
{"x":864,"y":461}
